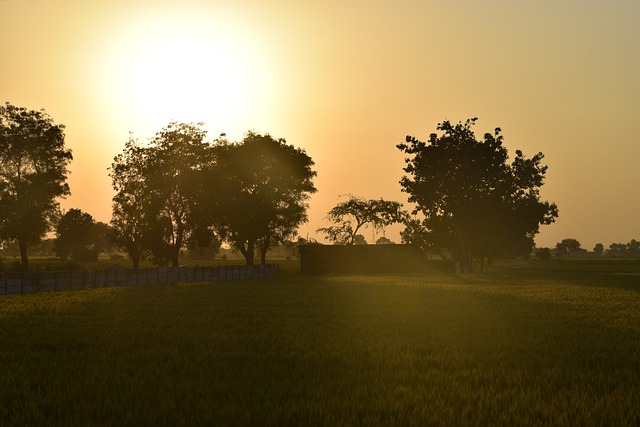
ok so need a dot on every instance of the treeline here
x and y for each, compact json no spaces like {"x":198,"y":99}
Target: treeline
{"x":174,"y":192}
{"x":573,"y":248}
{"x":180,"y":191}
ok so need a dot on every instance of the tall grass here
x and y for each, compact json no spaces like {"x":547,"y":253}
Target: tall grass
{"x":527,"y":344}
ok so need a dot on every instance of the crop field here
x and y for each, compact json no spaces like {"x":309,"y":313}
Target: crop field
{"x":539,"y":343}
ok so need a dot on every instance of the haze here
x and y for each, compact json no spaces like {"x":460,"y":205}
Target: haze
{"x":346,"y":81}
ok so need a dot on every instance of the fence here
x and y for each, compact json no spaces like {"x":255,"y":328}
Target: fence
{"x":26,"y":282}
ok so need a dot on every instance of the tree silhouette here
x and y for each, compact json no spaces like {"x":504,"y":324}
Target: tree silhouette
{"x":567,"y":247}
{"x":260,"y":189}
{"x":74,"y":234}
{"x":475,"y":202}
{"x":129,"y":222}
{"x":157,"y":204}
{"x":349,"y":216}
{"x":598,"y":249}
{"x":33,"y":173}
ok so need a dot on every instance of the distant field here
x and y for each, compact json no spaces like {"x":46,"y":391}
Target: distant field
{"x":554,"y":343}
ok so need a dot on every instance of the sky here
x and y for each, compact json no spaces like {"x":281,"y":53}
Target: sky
{"x":346,"y":81}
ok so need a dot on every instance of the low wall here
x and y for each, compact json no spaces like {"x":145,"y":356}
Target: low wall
{"x":360,"y":259}
{"x":27,"y":282}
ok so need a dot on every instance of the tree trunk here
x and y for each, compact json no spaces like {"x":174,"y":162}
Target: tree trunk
{"x":23,"y":254}
{"x":175,"y":255}
{"x":263,"y":250}
{"x":250,"y":252}
{"x":135,"y":260}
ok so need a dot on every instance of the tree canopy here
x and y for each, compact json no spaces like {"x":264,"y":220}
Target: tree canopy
{"x":349,"y":216}
{"x":473,"y":201}
{"x":74,"y":234}
{"x":157,"y":205}
{"x":33,"y":172}
{"x":262,"y":186}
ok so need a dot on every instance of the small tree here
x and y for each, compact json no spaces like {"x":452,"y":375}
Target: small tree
{"x":598,"y":249}
{"x":33,"y":174}
{"x":351,"y":215}
{"x":544,"y":254}
{"x":74,"y":234}
{"x":567,"y":247}
{"x":384,"y":241}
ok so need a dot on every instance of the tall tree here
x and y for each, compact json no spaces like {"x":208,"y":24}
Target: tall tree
{"x":176,"y":159}
{"x":470,"y":196}
{"x":262,"y":187}
{"x":33,"y":173}
{"x":74,"y":234}
{"x":157,"y":187}
{"x":349,"y":216}
{"x":129,"y":221}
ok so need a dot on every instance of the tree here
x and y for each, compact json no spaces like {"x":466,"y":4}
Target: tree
{"x":631,"y":249}
{"x":476,"y":202}
{"x":384,"y":241}
{"x":174,"y":162}
{"x":101,"y":237}
{"x":158,"y":205}
{"x":74,"y":234}
{"x":598,"y":249}
{"x":351,"y":215}
{"x":33,"y":174}
{"x":129,"y":221}
{"x":567,"y":247}
{"x":359,"y":240}
{"x":544,"y":254}
{"x":262,"y":186}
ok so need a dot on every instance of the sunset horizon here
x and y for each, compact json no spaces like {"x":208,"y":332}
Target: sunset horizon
{"x":345,"y":83}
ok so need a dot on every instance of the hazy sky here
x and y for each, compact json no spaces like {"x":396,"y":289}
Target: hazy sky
{"x":346,"y":81}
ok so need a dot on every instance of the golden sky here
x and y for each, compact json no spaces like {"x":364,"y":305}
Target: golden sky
{"x":346,"y":81}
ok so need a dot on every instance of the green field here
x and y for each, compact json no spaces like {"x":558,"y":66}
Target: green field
{"x":554,"y":343}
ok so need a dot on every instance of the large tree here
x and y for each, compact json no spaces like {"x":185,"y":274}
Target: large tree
{"x":262,"y":186}
{"x":349,"y":216}
{"x":157,"y":205}
{"x":473,"y":200}
{"x":33,"y":173}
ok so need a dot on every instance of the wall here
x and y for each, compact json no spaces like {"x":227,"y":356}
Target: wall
{"x":360,"y":259}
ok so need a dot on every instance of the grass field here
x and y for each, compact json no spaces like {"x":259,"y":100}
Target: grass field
{"x":554,"y":343}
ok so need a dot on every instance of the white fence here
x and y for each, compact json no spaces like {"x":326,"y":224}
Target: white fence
{"x":27,"y":282}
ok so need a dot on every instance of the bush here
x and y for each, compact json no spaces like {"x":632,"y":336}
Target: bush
{"x":544,"y":254}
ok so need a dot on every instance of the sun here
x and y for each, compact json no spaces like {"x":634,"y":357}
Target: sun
{"x":186,"y":68}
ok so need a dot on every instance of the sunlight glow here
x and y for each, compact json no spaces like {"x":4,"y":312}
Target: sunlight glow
{"x":183,"y":69}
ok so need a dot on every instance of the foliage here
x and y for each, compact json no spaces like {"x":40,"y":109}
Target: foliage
{"x":544,"y":254}
{"x":74,"y":234}
{"x":157,"y":203}
{"x":33,"y":173}
{"x":383,"y":240}
{"x":101,"y":238}
{"x":567,"y":247}
{"x":630,"y":250}
{"x":350,"y":215}
{"x":261,"y":186}
{"x":598,"y":249}
{"x":129,"y":220}
{"x":474,"y":203}
{"x":552,"y":343}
